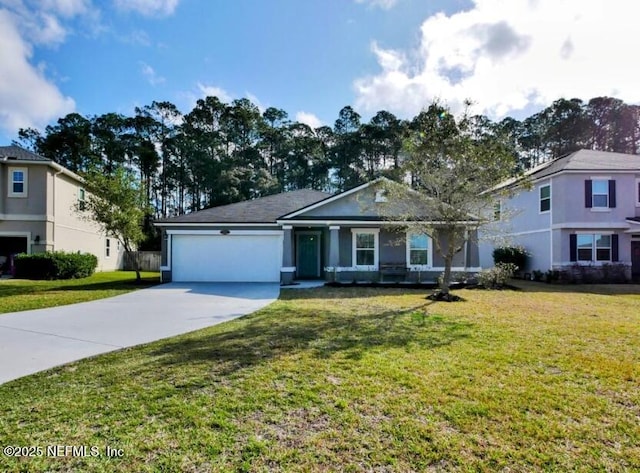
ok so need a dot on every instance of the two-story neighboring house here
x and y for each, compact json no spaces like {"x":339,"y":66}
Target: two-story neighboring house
{"x":38,"y":199}
{"x":581,"y":209}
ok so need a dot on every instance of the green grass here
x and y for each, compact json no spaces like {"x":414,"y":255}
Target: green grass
{"x":22,"y":294}
{"x":354,"y":379}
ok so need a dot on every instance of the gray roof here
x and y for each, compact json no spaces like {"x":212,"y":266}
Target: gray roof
{"x":588,"y":160}
{"x":262,"y":210}
{"x":16,"y":152}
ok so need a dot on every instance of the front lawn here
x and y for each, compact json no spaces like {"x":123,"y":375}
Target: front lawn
{"x":355,"y":379}
{"x":23,"y":294}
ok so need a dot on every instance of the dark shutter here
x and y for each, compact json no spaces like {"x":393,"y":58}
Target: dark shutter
{"x":573,"y":247}
{"x":588,"y":197}
{"x":614,"y":248}
{"x":612,"y":194}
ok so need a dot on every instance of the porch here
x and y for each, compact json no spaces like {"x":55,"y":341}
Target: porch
{"x":361,"y":253}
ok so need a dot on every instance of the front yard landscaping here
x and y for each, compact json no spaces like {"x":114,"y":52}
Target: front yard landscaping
{"x":23,"y":294}
{"x":356,"y":379}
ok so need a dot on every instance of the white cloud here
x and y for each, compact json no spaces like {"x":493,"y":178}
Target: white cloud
{"x":66,"y":8}
{"x":27,"y":98}
{"x":152,"y":76}
{"x":308,"y":119}
{"x":148,"y":7}
{"x":506,"y":56}
{"x":213,"y":91}
{"x":384,"y":4}
{"x":256,"y":101}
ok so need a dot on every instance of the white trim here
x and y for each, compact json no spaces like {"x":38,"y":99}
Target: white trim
{"x":26,"y":217}
{"x":287,"y":227}
{"x":165,"y":268}
{"x":528,"y":232}
{"x":334,"y":227}
{"x":212,"y":224}
{"x":344,"y":269}
{"x":288,"y":269}
{"x":589,"y":263}
{"x":418,"y":267}
{"x":590,"y":225}
{"x":25,"y":182}
{"x":309,"y":223}
{"x":458,"y":268}
{"x":600,"y":208}
{"x":376,"y":248}
{"x":219,"y":232}
{"x":328,"y":200}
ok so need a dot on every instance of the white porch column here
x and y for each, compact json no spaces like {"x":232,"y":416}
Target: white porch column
{"x":334,"y":246}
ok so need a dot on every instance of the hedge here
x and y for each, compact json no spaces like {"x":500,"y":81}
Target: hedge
{"x":55,"y":265}
{"x":511,"y":254}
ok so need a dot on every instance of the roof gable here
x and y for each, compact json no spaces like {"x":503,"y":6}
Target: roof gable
{"x":14,"y":152}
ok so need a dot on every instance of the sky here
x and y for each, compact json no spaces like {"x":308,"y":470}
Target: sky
{"x":311,"y":57}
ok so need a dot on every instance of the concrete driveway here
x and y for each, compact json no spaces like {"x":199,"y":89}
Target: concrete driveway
{"x":36,"y":340}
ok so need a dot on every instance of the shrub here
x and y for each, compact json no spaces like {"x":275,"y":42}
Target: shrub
{"x":497,"y":277}
{"x":516,"y":255}
{"x":55,"y":265}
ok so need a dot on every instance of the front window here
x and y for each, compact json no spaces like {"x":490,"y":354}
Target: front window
{"x":418,"y":249}
{"x":594,"y":247}
{"x":600,"y":193}
{"x":545,"y":198}
{"x":365,"y":247}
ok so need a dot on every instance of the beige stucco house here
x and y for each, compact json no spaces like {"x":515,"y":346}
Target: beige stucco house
{"x":38,"y":199}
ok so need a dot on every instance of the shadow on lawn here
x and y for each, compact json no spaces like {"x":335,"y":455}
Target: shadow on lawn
{"x":274,"y":333}
{"x":600,"y":289}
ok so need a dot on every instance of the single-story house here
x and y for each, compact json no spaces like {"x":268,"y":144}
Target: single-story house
{"x":303,"y":234}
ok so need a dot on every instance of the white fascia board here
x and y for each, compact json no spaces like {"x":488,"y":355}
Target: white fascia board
{"x":328,"y":200}
{"x":192,"y":224}
{"x":219,"y":232}
{"x":309,"y":223}
{"x":591,"y":225}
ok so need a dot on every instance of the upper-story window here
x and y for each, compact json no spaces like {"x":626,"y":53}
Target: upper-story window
{"x":18,"y":182}
{"x":107,"y":247}
{"x":497,"y":210}
{"x":81,"y":199}
{"x":600,"y":193}
{"x":545,"y":198}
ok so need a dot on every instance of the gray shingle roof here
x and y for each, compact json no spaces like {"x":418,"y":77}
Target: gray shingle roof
{"x":262,"y":210}
{"x":21,"y":154}
{"x":589,"y":160}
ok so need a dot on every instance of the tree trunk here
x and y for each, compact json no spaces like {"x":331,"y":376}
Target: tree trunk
{"x":446,"y":277}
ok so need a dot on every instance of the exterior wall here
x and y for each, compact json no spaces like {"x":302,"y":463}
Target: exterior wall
{"x":569,"y":205}
{"x":361,"y":203}
{"x":72,"y":233}
{"x":392,"y":247}
{"x":35,"y":201}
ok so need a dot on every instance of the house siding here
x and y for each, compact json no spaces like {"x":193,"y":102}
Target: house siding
{"x":358,"y":204}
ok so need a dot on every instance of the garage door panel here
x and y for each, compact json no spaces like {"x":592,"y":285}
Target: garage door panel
{"x":235,"y":258}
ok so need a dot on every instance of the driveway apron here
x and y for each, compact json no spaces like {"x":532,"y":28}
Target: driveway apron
{"x":36,"y":340}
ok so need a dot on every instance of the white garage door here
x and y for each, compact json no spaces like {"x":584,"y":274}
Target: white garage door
{"x":242,"y":258}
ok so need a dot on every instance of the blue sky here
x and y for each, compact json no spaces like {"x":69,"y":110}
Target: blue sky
{"x":310,"y":57}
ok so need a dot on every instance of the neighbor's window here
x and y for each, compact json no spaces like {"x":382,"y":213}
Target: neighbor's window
{"x":365,"y":247}
{"x":81,"y":199}
{"x":107,"y":247}
{"x":594,"y":245}
{"x":545,"y":198}
{"x":600,"y":193}
{"x":418,"y":249}
{"x":17,"y":182}
{"x":497,"y":210}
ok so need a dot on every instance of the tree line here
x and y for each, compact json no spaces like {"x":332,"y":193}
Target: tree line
{"x":220,"y":153}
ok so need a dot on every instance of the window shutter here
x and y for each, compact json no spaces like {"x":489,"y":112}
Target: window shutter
{"x":573,"y":247}
{"x":612,"y":194}
{"x":588,"y":198}
{"x":614,"y":248}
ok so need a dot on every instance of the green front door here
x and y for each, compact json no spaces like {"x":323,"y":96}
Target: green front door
{"x":308,"y":255}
